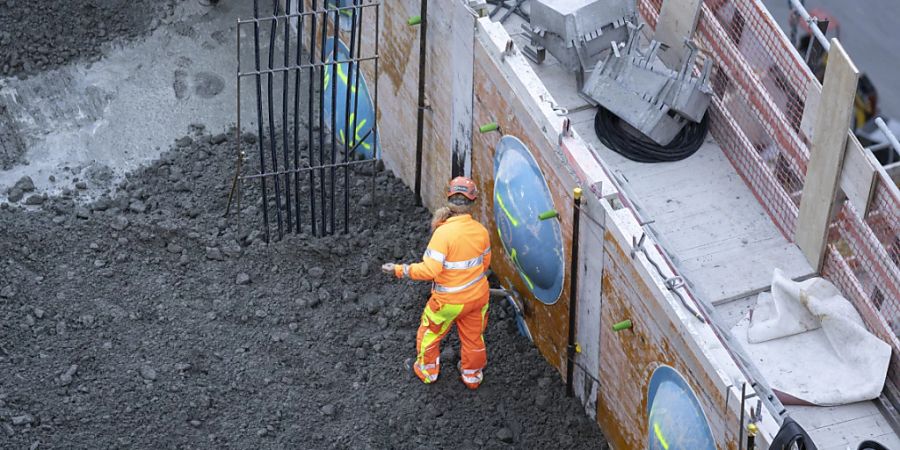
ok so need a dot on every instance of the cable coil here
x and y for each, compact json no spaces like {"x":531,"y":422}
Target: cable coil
{"x":613,"y":134}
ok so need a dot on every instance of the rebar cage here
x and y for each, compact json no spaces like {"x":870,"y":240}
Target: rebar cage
{"x":323,"y":99}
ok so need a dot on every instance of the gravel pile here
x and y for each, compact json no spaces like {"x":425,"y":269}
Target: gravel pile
{"x":147,"y":320}
{"x":62,"y":31}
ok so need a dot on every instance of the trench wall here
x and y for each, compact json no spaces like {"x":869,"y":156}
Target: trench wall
{"x":613,"y":369}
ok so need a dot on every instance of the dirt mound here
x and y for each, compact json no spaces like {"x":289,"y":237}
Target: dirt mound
{"x":146,"y":320}
{"x":61,"y":31}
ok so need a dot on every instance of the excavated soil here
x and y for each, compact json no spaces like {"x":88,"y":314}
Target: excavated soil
{"x":59,"y":32}
{"x":146,"y":320}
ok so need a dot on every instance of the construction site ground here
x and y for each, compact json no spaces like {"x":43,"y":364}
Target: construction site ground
{"x":133,"y":315}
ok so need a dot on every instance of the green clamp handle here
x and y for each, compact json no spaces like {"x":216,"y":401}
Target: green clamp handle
{"x":548,"y":214}
{"x":488,"y":127}
{"x":414,"y":20}
{"x":623,"y":325}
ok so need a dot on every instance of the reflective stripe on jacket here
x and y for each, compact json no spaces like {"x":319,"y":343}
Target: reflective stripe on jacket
{"x":456,"y":260}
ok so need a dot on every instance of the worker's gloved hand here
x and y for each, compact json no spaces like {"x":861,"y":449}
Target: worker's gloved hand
{"x":388,"y":268}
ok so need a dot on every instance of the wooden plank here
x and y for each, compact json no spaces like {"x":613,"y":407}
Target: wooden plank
{"x":858,"y":175}
{"x":677,"y":21}
{"x":826,"y":154}
{"x":462,"y":53}
{"x":813,"y":93}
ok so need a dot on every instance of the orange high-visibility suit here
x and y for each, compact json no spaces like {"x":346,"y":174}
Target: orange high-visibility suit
{"x":456,"y":260}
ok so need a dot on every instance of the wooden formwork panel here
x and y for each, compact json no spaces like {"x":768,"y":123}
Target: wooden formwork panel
{"x":628,"y":358}
{"x":496,"y":100}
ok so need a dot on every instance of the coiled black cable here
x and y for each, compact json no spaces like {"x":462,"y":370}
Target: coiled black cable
{"x":613,"y":134}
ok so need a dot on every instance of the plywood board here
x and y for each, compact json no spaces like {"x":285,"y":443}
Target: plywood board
{"x":496,"y":101}
{"x":721,"y":238}
{"x":462,"y":53}
{"x":677,"y":21}
{"x":826,"y":153}
{"x":858,"y":175}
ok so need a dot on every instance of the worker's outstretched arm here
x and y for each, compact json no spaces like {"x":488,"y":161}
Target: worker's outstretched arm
{"x":432,"y":262}
{"x":487,"y":259}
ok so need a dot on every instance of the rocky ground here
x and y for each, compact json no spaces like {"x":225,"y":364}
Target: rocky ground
{"x":62,"y":31}
{"x":146,"y":320}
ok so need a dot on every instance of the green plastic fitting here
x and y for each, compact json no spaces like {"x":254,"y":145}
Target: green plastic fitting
{"x":623,"y":325}
{"x":414,"y":20}
{"x":488,"y":127}
{"x":548,"y":214}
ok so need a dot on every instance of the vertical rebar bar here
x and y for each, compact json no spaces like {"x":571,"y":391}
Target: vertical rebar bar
{"x":420,"y":114}
{"x":375,"y":105}
{"x":272,"y":136}
{"x":299,"y":58}
{"x":285,"y":88}
{"x":350,"y":130}
{"x":323,"y":230}
{"x":310,"y":141}
{"x":259,"y":121}
{"x":335,"y":75}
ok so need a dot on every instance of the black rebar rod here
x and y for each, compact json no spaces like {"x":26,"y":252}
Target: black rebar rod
{"x":299,"y":228}
{"x":259,"y":122}
{"x":420,"y":114}
{"x":335,"y":68}
{"x":375,"y":108}
{"x":310,"y":167}
{"x":310,"y":117}
{"x":272,"y":136}
{"x":293,"y":67}
{"x":286,"y":90}
{"x":311,"y":12}
{"x":323,"y":225}
{"x":350,"y":129}
{"x":306,"y":169}
{"x":352,"y":151}
{"x":573,"y":296}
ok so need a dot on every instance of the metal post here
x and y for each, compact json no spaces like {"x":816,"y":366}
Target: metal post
{"x":573,"y":295}
{"x":334,"y":131}
{"x":420,"y":115}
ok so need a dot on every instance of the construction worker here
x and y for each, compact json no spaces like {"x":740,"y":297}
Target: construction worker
{"x":455,"y":261}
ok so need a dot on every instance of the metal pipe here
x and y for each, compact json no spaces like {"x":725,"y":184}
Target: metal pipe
{"x":890,"y":138}
{"x":334,"y":131}
{"x":285,"y":88}
{"x":272,"y":136}
{"x":259,"y":122}
{"x":820,"y":36}
{"x":573,"y":296}
{"x":420,"y":114}
{"x":310,"y":117}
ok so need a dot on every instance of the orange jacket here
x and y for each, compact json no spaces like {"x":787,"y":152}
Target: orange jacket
{"x":456,"y":260}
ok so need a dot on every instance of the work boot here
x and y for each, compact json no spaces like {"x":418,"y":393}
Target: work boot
{"x":470,"y":380}
{"x":432,"y":369}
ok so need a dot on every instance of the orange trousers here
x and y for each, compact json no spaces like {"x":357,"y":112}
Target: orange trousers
{"x":470,"y":319}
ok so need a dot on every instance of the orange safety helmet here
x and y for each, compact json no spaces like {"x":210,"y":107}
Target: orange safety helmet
{"x":464,"y":186}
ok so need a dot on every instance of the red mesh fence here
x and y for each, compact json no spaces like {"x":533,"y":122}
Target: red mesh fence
{"x":760,"y":87}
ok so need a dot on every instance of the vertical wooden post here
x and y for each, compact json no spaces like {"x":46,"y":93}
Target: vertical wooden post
{"x":826,"y":154}
{"x":677,"y":21}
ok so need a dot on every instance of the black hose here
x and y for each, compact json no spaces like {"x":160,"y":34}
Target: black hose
{"x":612,"y":133}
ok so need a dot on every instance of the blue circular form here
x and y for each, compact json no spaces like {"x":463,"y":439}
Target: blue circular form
{"x":521,"y":194}
{"x":675,"y":418}
{"x":363,"y":117}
